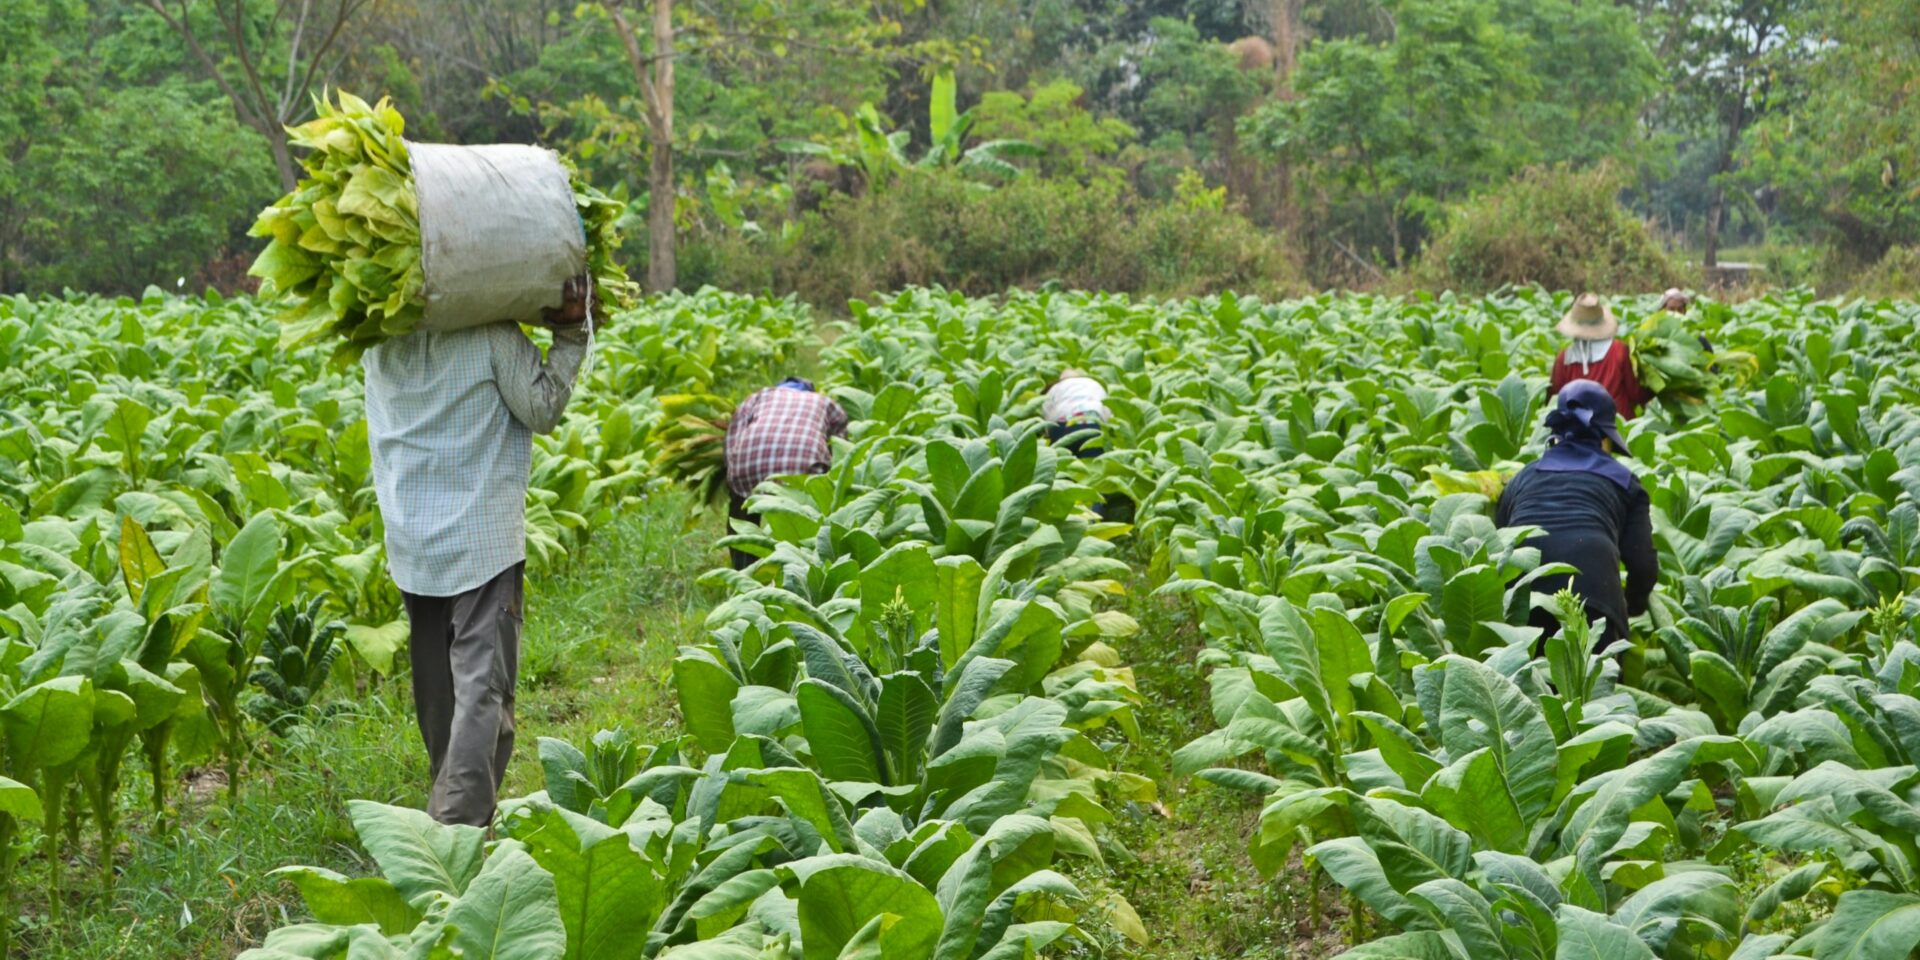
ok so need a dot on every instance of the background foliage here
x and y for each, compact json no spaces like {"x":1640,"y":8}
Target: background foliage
{"x":138,"y":137}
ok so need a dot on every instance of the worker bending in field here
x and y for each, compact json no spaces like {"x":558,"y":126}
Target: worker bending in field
{"x":1075,"y":408}
{"x":781,"y":430}
{"x":1594,"y":513}
{"x":450,"y":421}
{"x":1597,"y":354}
{"x":1676,"y":302}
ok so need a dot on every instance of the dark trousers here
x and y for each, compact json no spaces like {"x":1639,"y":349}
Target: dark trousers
{"x":1077,"y":438}
{"x":466,"y":659}
{"x":1550,"y":627}
{"x":737,"y":510}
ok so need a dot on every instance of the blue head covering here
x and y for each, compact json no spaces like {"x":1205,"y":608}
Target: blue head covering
{"x":1583,"y":418}
{"x":795,"y":383}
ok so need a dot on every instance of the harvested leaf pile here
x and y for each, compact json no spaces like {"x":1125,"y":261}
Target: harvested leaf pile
{"x":345,"y":244}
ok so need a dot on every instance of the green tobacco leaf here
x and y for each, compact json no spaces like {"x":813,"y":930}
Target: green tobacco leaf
{"x":1473,"y":795}
{"x":509,"y":912}
{"x":1462,"y":910}
{"x":249,"y":567}
{"x":905,"y":717}
{"x":1796,"y":884}
{"x":806,"y":796}
{"x":18,"y":800}
{"x":705,"y":690}
{"x":905,"y":572}
{"x":377,"y":646}
{"x":422,"y":858}
{"x":841,"y":894}
{"x":1867,"y":925}
{"x":1413,"y":846}
{"x":1421,"y":945}
{"x":49,"y":724}
{"x":957,"y":605}
{"x":1585,"y":935}
{"x":826,"y":659}
{"x":332,"y":898}
{"x":845,"y":742}
{"x":1292,"y":644}
{"x":1479,"y":709}
{"x":1656,"y":912}
{"x":139,"y":561}
{"x":608,"y":895}
{"x":964,"y":695}
{"x":1353,"y":865}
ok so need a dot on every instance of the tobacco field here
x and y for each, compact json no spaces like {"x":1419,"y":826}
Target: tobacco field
{"x":911,"y":730}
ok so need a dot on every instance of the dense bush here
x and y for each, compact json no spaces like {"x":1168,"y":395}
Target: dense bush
{"x":1896,"y":276}
{"x":939,"y":229}
{"x":145,"y":187}
{"x":1561,"y":228}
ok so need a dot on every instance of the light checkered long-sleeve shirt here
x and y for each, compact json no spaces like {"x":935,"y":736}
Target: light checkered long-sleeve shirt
{"x":450,"y":420}
{"x":780,"y":431}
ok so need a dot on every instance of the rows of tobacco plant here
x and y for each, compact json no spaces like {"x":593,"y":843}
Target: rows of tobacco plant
{"x":902,"y":720}
{"x":189,"y":545}
{"x":1740,"y":784}
{"x":896,"y":740}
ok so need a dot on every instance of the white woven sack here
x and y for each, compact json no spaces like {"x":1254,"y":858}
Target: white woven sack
{"x":499,"y":234}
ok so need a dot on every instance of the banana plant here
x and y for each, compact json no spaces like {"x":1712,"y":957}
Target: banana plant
{"x":297,"y":654}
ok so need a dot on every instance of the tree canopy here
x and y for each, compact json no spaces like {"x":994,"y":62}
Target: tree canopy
{"x":139,"y":137}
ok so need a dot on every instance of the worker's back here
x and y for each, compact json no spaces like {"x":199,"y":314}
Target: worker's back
{"x":1593,"y":523}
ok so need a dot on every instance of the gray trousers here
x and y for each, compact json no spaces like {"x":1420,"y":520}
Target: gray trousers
{"x":466,"y":659}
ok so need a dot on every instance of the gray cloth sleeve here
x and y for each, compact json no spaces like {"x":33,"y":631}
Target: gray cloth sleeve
{"x":536,"y":391}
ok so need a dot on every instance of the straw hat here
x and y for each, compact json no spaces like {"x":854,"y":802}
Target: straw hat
{"x":1589,"y":319}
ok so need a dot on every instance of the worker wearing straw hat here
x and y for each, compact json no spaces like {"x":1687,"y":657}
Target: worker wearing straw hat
{"x":1597,"y":354}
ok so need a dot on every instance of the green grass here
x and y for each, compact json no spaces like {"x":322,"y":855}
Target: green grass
{"x":1188,"y":875}
{"x":598,"y":641}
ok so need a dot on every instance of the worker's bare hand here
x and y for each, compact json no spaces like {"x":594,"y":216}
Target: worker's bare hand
{"x":573,"y":303}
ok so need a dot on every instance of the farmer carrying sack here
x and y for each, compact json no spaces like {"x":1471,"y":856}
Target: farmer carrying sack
{"x":499,"y":233}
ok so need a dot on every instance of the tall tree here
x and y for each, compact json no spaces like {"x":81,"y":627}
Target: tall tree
{"x":653,"y":73}
{"x":38,"y":41}
{"x":1723,"y":59}
{"x":267,"y":68}
{"x":1844,"y":153}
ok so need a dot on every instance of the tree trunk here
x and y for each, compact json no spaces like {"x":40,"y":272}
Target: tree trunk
{"x":1286,"y":52}
{"x":282,"y":157}
{"x":660,"y":193}
{"x":1710,"y":258}
{"x":1286,"y":43}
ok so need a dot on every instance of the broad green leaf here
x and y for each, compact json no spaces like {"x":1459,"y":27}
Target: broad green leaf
{"x":422,"y":858}
{"x":49,"y":723}
{"x":905,"y":716}
{"x":1867,"y":925}
{"x":606,"y":892}
{"x":332,"y":898}
{"x":139,"y":561}
{"x":841,"y":894}
{"x":509,"y":912}
{"x":705,"y":691}
{"x":1585,"y":935}
{"x":845,"y":742}
{"x":18,"y":800}
{"x":378,"y":646}
{"x":249,"y":567}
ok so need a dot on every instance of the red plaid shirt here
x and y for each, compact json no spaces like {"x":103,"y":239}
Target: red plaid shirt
{"x":780,"y":431}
